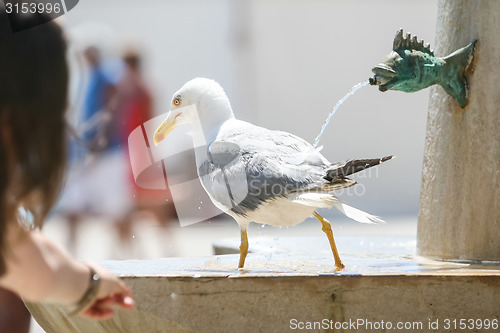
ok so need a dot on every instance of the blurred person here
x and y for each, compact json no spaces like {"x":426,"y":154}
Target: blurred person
{"x":134,"y":106}
{"x":33,"y":99}
{"x":90,"y":137}
{"x":98,"y":102}
{"x":97,"y":186}
{"x":134,"y":101}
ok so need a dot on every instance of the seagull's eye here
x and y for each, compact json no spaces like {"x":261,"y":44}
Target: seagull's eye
{"x":176,"y":101}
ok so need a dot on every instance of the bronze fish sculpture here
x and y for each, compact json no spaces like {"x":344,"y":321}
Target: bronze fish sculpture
{"x":412,"y":66}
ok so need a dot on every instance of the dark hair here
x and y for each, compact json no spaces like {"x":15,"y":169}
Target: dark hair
{"x":33,"y":98}
{"x":132,"y":59}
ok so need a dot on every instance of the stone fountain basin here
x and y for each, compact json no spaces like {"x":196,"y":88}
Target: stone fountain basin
{"x":283,"y":287}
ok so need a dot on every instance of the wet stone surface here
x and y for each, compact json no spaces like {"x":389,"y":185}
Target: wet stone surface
{"x":292,"y":279}
{"x":305,"y":256}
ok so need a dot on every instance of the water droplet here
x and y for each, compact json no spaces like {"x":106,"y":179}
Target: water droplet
{"x":263,"y":226}
{"x":133,"y":236}
{"x":199,"y":207}
{"x":173,"y":296}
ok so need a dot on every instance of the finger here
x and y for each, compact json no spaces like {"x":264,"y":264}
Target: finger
{"x":102,"y":308}
{"x":105,"y":302}
{"x":123,"y":288}
{"x":98,"y":313}
{"x":118,"y":286}
{"x":125,"y":302}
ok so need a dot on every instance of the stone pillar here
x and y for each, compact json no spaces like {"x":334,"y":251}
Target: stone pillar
{"x":460,"y":198}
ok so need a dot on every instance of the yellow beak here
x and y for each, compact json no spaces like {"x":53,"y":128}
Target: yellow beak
{"x":165,"y":128}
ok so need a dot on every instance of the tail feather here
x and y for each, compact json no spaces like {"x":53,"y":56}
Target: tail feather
{"x":457,"y":64}
{"x":356,"y":214}
{"x":342,"y":169}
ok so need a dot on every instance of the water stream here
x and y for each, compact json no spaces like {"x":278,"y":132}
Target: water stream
{"x":339,"y":103}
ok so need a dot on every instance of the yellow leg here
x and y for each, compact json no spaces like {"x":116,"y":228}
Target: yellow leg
{"x":327,"y":229}
{"x":243,"y":248}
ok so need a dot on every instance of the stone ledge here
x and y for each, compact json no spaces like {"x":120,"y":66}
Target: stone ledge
{"x":208,"y":295}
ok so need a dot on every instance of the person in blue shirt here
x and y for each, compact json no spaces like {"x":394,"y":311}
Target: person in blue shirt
{"x":98,"y":103}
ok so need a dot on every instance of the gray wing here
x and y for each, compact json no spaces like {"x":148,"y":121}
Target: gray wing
{"x":250,"y":165}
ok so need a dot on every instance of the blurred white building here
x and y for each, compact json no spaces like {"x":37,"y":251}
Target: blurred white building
{"x":284,"y":65}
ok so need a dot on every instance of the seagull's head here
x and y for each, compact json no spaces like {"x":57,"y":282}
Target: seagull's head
{"x":201,"y":100}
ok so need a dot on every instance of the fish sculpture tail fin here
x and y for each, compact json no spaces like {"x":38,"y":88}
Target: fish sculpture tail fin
{"x":456,"y":65}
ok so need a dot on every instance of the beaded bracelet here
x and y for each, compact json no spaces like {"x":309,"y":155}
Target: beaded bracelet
{"x":90,"y":293}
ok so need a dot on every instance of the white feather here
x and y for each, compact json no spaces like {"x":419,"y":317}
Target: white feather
{"x":324,"y":200}
{"x":312,"y":199}
{"x":356,"y":214}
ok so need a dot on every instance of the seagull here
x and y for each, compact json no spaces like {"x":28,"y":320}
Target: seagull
{"x":259,"y":175}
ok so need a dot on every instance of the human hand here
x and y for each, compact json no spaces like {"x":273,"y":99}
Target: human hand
{"x":112,"y":292}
